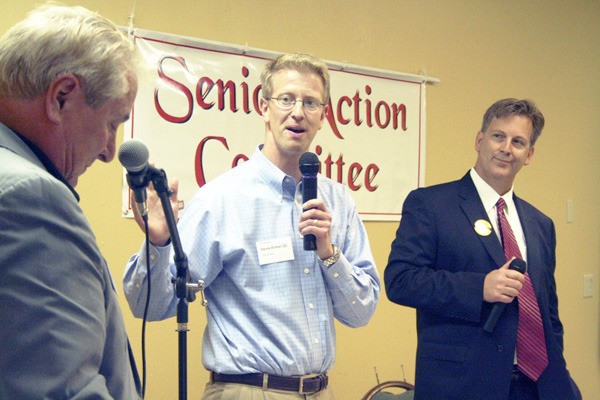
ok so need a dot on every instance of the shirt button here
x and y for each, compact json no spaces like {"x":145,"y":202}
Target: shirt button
{"x":336,"y":275}
{"x":152,"y":257}
{"x":306,"y":270}
{"x":316,"y":341}
{"x":311,"y":306}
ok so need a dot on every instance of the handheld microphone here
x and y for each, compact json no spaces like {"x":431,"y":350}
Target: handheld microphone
{"x":516,"y":265}
{"x":309,"y":167}
{"x":133,"y":155}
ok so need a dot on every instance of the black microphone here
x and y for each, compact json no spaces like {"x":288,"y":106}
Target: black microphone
{"x":133,"y":155}
{"x":517,"y":265}
{"x":309,"y":167}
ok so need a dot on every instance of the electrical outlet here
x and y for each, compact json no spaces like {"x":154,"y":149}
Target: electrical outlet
{"x":588,"y":285}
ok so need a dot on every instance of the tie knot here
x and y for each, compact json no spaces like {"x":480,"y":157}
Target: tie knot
{"x":500,"y":204}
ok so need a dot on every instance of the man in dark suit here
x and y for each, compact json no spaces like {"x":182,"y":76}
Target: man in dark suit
{"x":450,"y":260}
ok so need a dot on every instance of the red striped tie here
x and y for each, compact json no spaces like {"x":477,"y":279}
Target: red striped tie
{"x":532,"y":357}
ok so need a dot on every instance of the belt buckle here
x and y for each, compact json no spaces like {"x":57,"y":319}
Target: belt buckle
{"x":303,"y":378}
{"x":301,"y":385}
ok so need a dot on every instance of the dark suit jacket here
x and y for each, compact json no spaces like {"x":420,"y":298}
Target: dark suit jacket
{"x":437,"y":265}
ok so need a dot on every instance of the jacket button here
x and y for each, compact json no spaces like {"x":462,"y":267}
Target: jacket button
{"x":500,"y":348}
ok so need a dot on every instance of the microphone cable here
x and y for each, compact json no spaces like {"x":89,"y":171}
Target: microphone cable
{"x":145,"y":218}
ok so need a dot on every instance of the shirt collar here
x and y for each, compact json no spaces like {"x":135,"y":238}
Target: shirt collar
{"x":489,"y":197}
{"x":281,"y":183}
{"x":49,"y":165}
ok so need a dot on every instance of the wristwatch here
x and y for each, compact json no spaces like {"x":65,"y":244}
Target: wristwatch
{"x":329,"y":261}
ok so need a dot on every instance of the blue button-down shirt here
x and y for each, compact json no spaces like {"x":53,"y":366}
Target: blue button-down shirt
{"x":278,"y":317}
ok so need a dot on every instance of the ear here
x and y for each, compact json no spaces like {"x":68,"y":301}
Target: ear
{"x":263,"y":105}
{"x":324,"y":112}
{"x":529,"y":155}
{"x":478,"y":139}
{"x":61,"y":93}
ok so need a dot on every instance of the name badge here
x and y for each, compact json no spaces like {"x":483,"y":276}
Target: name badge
{"x":275,"y":250}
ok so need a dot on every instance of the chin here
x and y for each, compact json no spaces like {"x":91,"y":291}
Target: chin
{"x":73,"y":181}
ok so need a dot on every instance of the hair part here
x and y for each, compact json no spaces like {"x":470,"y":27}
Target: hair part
{"x":508,"y":107}
{"x":295,"y":61}
{"x":54,"y":40}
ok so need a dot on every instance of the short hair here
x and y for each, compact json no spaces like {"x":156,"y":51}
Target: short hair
{"x":508,"y":107}
{"x":298,"y":62}
{"x":54,"y":40}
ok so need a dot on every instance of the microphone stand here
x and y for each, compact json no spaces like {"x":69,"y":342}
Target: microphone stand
{"x":185,"y":290}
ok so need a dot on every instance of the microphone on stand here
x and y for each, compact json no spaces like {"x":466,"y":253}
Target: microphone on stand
{"x":133,"y":155}
{"x":516,"y":265}
{"x":309,"y":167}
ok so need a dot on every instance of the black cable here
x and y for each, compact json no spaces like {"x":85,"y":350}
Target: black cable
{"x":145,"y":217}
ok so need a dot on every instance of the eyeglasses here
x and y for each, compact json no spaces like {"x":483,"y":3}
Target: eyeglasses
{"x":286,"y":102}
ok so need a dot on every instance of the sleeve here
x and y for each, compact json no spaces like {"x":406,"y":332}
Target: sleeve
{"x":52,"y":305}
{"x":163,"y":300}
{"x":422,"y":274}
{"x":353,"y":281}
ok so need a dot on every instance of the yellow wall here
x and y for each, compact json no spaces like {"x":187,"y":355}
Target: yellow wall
{"x":548,"y":51}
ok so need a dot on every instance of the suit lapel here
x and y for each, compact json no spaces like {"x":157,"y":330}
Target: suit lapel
{"x":473,"y":208}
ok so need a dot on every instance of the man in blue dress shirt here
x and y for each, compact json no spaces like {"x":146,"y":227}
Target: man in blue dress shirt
{"x":270,"y":331}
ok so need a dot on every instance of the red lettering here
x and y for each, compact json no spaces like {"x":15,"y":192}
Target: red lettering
{"x":256,"y":99}
{"x":178,"y":87}
{"x":202,"y":94}
{"x":386,"y":109}
{"x":399,"y":109}
{"x":353,"y":173}
{"x":340,"y":117}
{"x":331,"y":119}
{"x":238,"y":159}
{"x":356,"y":98}
{"x":225,"y":87}
{"x":352,"y":176}
{"x":245,"y":96}
{"x":340,"y":165}
{"x":368,"y":107}
{"x":198,"y":160}
{"x":370,"y":174}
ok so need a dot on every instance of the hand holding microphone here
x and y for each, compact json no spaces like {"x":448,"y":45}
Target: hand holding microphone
{"x":133,"y":155}
{"x":516,"y":265}
{"x":309,"y":167}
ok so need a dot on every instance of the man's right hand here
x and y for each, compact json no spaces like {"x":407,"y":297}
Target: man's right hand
{"x":502,"y":285}
{"x":158,"y":229}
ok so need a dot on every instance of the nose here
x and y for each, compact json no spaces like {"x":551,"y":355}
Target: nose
{"x":298,"y":109}
{"x":108,"y":154}
{"x":506,"y":146}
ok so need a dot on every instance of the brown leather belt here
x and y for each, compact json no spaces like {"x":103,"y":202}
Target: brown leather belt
{"x":300,"y":384}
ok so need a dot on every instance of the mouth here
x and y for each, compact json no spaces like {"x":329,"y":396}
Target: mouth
{"x":296,"y":130}
{"x":503,"y":162}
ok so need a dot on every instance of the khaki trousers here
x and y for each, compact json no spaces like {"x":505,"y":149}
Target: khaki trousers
{"x":236,"y":391}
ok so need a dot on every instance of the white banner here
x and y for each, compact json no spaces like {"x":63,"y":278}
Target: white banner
{"x":198,"y":114}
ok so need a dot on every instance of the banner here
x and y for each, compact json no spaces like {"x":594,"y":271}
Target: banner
{"x":197,"y":111}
